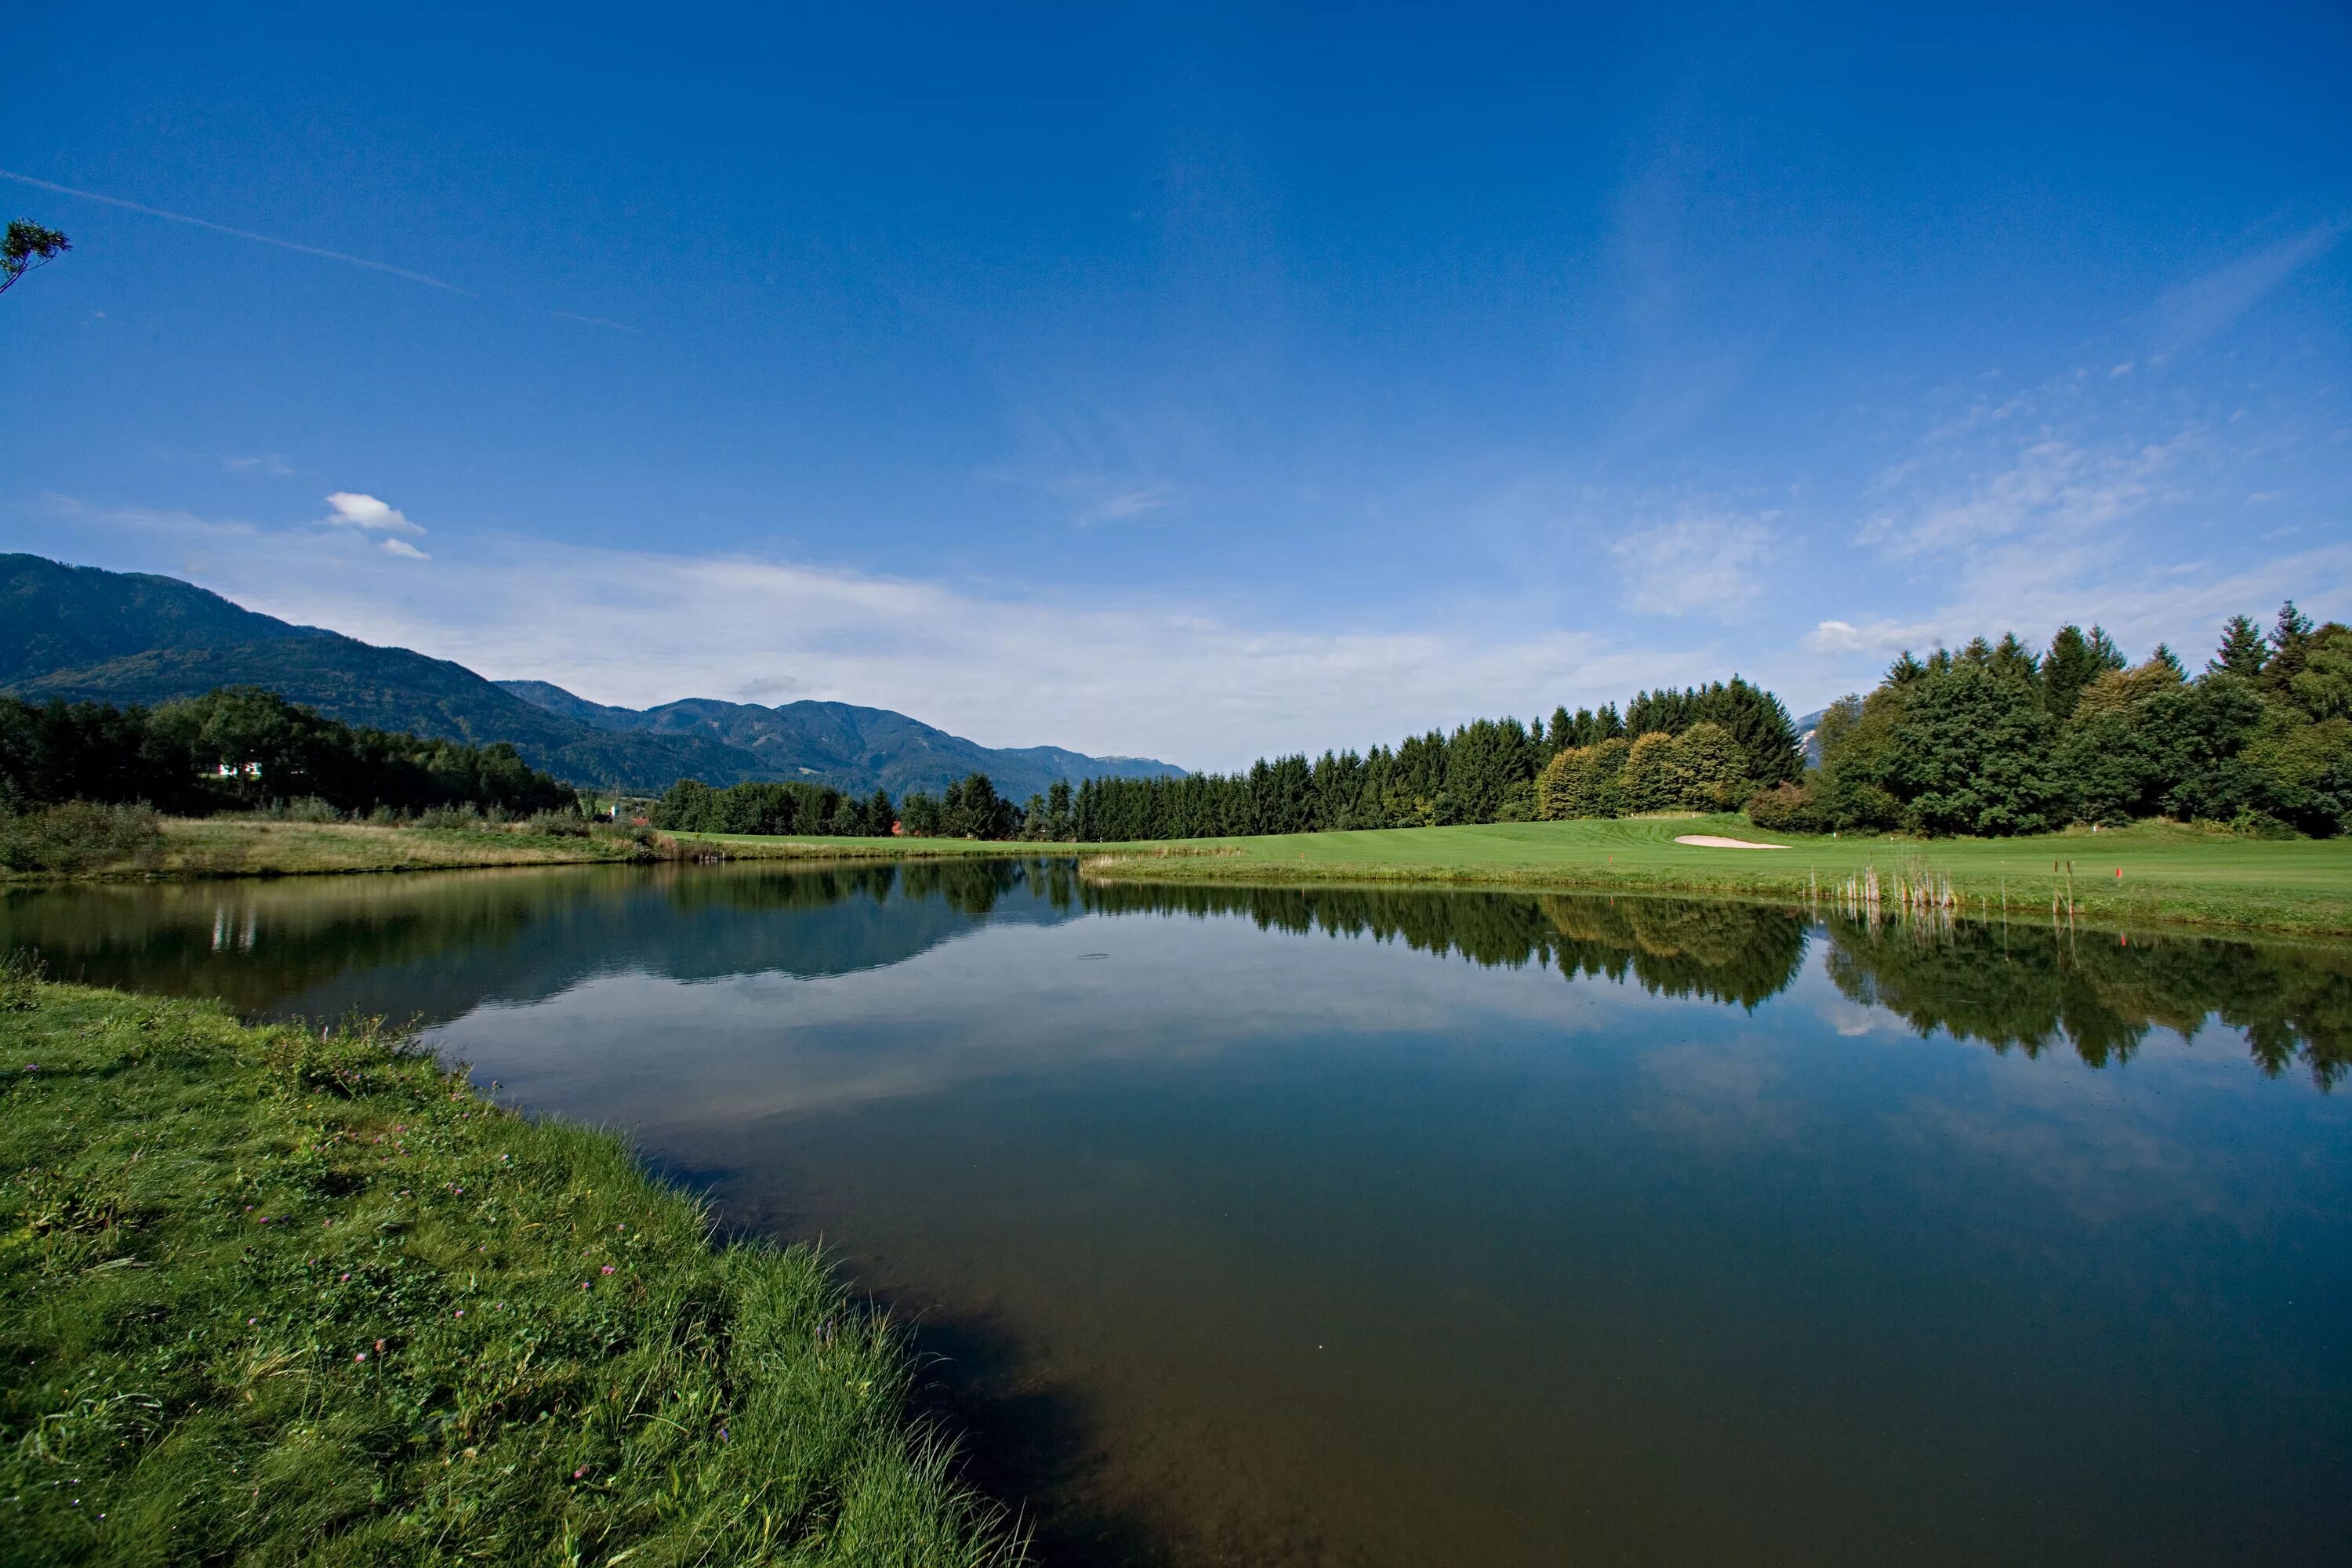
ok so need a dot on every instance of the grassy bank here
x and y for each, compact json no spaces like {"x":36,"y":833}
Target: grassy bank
{"x":271,"y":1297}
{"x":243,"y":847}
{"x":766,"y":846}
{"x":2179,"y":875}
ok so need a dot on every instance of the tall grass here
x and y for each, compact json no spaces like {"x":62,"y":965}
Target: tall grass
{"x":274,"y":1296}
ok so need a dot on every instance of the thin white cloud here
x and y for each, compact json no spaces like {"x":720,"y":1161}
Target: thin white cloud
{"x":1125,"y":505}
{"x":406,"y":550}
{"x":2198,"y":310}
{"x":353,"y":509}
{"x":346,"y":258}
{"x":594,"y":322}
{"x":2053,"y":485}
{"x":1696,"y":564}
{"x":2033,"y":588}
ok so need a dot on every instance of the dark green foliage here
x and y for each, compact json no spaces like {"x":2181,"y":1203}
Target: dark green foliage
{"x":1971,"y":754}
{"x":2291,"y":639}
{"x":1740,"y":954}
{"x":1754,"y":717}
{"x":2102,"y":995}
{"x":1048,"y":818}
{"x":972,"y":809}
{"x":2243,"y":652}
{"x":1965,"y":743}
{"x":1485,"y":771}
{"x":2322,"y":689}
{"x":800,"y":810}
{"x":2072,"y":663}
{"x":919,"y":814}
{"x":243,"y":747}
{"x":27,"y":247}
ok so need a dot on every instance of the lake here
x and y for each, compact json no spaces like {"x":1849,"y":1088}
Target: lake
{"x":1333,"y":1226}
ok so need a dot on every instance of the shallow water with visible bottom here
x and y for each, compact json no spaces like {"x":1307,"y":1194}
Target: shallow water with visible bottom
{"x":1332,"y":1226}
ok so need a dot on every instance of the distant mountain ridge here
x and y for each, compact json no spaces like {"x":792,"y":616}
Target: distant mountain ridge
{"x":87,"y":634}
{"x":841,"y":741}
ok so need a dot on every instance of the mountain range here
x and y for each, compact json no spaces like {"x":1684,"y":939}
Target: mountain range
{"x":87,"y":634}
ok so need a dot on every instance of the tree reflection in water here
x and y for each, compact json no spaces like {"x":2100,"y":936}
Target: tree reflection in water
{"x":475,"y":936}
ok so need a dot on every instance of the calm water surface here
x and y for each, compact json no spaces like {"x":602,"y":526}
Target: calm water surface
{"x":1345,"y":1228}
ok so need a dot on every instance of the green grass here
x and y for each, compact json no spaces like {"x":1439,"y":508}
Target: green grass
{"x":267,"y":1297}
{"x":2189,"y":876}
{"x":2181,"y":875}
{"x":769,"y":847}
{"x":245,"y":846}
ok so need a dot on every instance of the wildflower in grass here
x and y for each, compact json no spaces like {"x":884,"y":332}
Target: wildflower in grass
{"x":606,"y":1269}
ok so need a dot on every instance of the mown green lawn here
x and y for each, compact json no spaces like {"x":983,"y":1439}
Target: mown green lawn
{"x":269,"y":1297}
{"x":2168,"y":872}
{"x":2172,"y":873}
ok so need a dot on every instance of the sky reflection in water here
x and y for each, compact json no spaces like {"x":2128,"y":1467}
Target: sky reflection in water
{"x":1655,"y":1231}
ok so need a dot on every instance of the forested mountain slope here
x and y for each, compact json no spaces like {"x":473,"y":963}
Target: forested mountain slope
{"x":866,"y":747}
{"x":87,"y":634}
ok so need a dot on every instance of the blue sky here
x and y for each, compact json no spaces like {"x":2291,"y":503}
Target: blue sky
{"x":1191,"y":383}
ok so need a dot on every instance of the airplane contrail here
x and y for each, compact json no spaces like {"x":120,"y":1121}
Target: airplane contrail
{"x":239,"y":233}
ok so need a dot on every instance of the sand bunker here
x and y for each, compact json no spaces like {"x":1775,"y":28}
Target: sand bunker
{"x":1709,"y":841}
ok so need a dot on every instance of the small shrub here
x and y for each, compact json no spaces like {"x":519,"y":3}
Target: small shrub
{"x":2262,"y":825}
{"x":558,"y":824}
{"x":308,"y":808}
{"x":79,"y":836}
{"x":1783,"y":808}
{"x":466,"y":816}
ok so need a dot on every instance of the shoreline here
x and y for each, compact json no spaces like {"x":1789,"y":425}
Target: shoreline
{"x":445,"y":1325}
{"x":2170,"y":875}
{"x":2173,"y":877}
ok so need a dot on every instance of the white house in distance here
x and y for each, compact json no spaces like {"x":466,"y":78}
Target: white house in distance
{"x":237,"y":770}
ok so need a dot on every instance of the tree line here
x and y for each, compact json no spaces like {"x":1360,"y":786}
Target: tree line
{"x":1996,"y":739}
{"x":2100,"y":1000}
{"x":1710,"y":746}
{"x":1734,"y":737}
{"x":241,"y":748}
{"x":788,"y":807}
{"x":969,"y":808}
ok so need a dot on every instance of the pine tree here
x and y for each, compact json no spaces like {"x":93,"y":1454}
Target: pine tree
{"x":2242,"y":651}
{"x":2013,"y":661}
{"x":2290,"y":647}
{"x":2072,"y":663}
